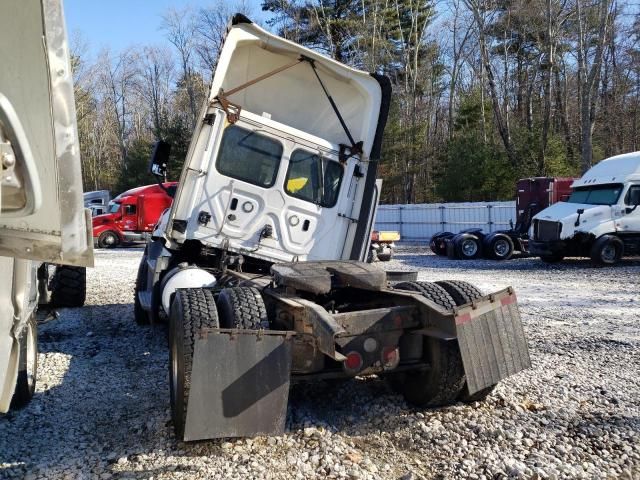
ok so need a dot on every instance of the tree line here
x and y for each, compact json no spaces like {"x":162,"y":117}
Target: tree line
{"x":484,"y":91}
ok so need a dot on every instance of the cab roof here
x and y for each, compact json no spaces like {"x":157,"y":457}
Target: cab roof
{"x":618,"y":169}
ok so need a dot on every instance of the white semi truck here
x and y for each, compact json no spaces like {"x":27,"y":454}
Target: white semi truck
{"x":259,"y":264}
{"x":42,"y":218}
{"x":600,"y":220}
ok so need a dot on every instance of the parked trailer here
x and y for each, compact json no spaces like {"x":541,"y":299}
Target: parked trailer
{"x":600,"y":220}
{"x":132,"y":215}
{"x":259,"y":264}
{"x":532,"y":196}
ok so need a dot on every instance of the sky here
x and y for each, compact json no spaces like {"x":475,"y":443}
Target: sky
{"x":119,"y":24}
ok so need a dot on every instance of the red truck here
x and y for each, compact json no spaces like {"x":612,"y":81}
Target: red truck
{"x":132,"y":215}
{"x":532,"y":196}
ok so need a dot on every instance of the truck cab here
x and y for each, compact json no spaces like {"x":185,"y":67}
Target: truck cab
{"x":42,"y":218}
{"x":600,"y":219}
{"x":132,"y":214}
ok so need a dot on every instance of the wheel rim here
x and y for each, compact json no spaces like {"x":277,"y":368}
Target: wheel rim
{"x":609,"y":253}
{"x":32,"y":355}
{"x":110,"y":239}
{"x":469,"y":248}
{"x":501,"y":247}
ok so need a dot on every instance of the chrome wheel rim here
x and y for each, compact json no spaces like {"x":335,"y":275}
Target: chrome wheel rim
{"x":109,"y":240}
{"x":469,"y":248}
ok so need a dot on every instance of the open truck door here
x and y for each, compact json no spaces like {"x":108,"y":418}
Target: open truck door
{"x":42,"y":216}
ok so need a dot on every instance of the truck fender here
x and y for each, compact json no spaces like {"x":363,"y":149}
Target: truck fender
{"x":183,"y":276}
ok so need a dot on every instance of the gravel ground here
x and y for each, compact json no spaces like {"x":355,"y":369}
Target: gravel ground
{"x":101,"y":408}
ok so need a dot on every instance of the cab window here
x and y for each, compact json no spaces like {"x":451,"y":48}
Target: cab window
{"x":129,"y":209}
{"x":633,"y":196}
{"x":249,"y":156}
{"x":313,"y":178}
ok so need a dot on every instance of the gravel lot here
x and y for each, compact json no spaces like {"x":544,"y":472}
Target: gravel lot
{"x":101,"y":408}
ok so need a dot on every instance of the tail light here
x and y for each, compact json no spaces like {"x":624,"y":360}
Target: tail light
{"x":353,"y":363}
{"x":390,"y":357}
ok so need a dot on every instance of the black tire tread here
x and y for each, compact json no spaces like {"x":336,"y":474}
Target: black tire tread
{"x":242,"y":307}
{"x":23,"y":393}
{"x":199,"y":311}
{"x":462,"y":293}
{"x":68,"y":286}
{"x":139,"y":314}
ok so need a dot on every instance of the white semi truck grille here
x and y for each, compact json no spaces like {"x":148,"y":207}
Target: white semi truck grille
{"x":546,"y":231}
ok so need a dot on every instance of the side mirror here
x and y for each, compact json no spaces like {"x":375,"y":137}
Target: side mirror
{"x":160,"y":159}
{"x":20,"y":191}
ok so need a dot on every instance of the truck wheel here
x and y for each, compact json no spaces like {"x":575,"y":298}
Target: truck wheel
{"x":192,"y":310}
{"x":28,"y":365}
{"x":462,"y":293}
{"x":68,"y":286}
{"x":242,"y":307}
{"x":442,"y":383}
{"x":438,"y":244}
{"x":558,"y":257}
{"x":499,"y":246}
{"x":139,"y":314}
{"x":108,"y":239}
{"x":607,"y":250}
{"x":467,"y":246}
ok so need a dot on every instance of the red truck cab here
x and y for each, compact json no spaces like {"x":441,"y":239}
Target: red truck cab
{"x":132,"y":215}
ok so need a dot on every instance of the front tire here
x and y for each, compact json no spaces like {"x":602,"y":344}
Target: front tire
{"x":28,"y":365}
{"x":607,"y":250}
{"x":108,"y":239}
{"x":192,"y":310}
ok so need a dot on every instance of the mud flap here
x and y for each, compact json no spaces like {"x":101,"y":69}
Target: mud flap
{"x":492,"y":341}
{"x":239,"y":384}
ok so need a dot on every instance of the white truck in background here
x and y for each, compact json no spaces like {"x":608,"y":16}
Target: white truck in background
{"x":600,"y":220}
{"x":42,"y":218}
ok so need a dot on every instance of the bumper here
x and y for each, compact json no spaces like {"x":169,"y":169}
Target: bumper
{"x":547,"y":248}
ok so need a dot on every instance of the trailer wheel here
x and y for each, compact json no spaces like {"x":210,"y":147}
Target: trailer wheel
{"x":192,"y":310}
{"x":467,"y":246}
{"x":108,"y":239}
{"x":68,"y":286}
{"x":139,"y":314}
{"x":242,"y":307}
{"x":385,"y":257}
{"x":499,"y":246}
{"x":442,"y":383}
{"x":462,"y":293}
{"x":607,"y":250}
{"x":28,"y":365}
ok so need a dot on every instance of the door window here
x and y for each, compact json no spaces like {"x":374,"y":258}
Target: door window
{"x":313,"y":178}
{"x":633,"y":196}
{"x":249,"y":156}
{"x":130,"y":210}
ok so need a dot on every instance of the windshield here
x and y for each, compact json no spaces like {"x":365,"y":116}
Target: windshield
{"x":114,"y":207}
{"x":596,"y":195}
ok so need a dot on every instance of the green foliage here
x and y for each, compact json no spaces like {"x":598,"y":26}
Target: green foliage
{"x":137,"y":171}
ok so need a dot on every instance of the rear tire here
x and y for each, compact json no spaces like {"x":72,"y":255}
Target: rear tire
{"x":192,"y":310}
{"x":499,"y":246}
{"x":467,"y":246}
{"x":438,"y":244}
{"x":385,"y":257}
{"x":463,"y":293}
{"x":108,"y":239}
{"x":68,"y":286}
{"x":242,"y":307}
{"x":607,"y":250}
{"x":442,"y":383}
{"x":28,"y":365}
